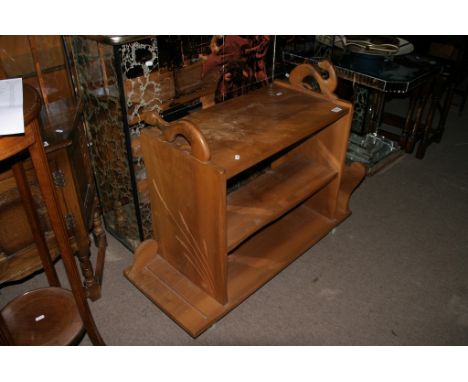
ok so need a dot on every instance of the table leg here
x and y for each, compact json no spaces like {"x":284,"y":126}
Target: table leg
{"x":360,"y":104}
{"x":378,"y":101}
{"x":100,"y":240}
{"x":425,"y":95}
{"x":33,"y":220}
{"x":406,"y":132}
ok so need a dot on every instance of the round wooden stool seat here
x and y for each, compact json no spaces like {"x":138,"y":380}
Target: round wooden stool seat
{"x":46,"y":316}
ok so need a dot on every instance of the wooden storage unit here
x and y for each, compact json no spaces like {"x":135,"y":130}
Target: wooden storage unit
{"x":240,"y":190}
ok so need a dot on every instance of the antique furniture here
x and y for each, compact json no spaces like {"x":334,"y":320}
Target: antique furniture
{"x":452,"y":52}
{"x":69,"y":161}
{"x":376,"y":78}
{"x":446,"y":86}
{"x":238,"y":191}
{"x":48,"y":315}
{"x":41,"y":63}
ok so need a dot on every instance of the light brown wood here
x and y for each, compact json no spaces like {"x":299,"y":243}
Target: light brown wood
{"x":260,"y":124}
{"x":327,"y":86}
{"x":186,"y":129}
{"x":247,"y":187}
{"x":188,"y":240}
{"x":269,"y":196}
{"x":10,"y":145}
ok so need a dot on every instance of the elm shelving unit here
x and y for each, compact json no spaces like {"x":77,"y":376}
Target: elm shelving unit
{"x":239,"y":191}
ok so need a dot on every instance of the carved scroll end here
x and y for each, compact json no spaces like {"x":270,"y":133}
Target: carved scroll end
{"x":325,"y":76}
{"x":187,"y":130}
{"x":143,"y":255}
{"x":353,"y":175}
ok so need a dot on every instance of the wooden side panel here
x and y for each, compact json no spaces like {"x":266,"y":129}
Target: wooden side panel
{"x":188,"y":206}
{"x":331,"y":144}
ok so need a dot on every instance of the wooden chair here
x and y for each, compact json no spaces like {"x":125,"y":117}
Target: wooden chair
{"x":51,"y":315}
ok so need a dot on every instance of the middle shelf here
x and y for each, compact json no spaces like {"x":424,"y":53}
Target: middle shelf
{"x":272,"y":194}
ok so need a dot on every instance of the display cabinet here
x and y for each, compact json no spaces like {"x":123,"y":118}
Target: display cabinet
{"x":123,"y":77}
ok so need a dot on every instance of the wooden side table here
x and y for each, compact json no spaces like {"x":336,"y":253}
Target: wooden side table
{"x":9,"y":147}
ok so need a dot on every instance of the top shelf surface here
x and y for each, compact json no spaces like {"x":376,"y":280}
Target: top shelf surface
{"x":246,"y":130}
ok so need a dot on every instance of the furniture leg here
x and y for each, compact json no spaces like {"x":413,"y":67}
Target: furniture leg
{"x":416,"y":126}
{"x":91,"y":285}
{"x":58,"y":225}
{"x":93,"y":279}
{"x":444,"y":113}
{"x":361,"y":120}
{"x":119,"y":215}
{"x":427,"y":129}
{"x":377,"y":105}
{"x":33,"y":220}
{"x":409,"y":118}
{"x":463,"y":100}
{"x":100,"y":241}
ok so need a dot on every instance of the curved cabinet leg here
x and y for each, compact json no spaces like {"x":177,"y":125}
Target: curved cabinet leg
{"x":353,"y":175}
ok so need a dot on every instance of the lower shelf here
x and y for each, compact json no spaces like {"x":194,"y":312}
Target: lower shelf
{"x":271,"y":195}
{"x":249,"y":267}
